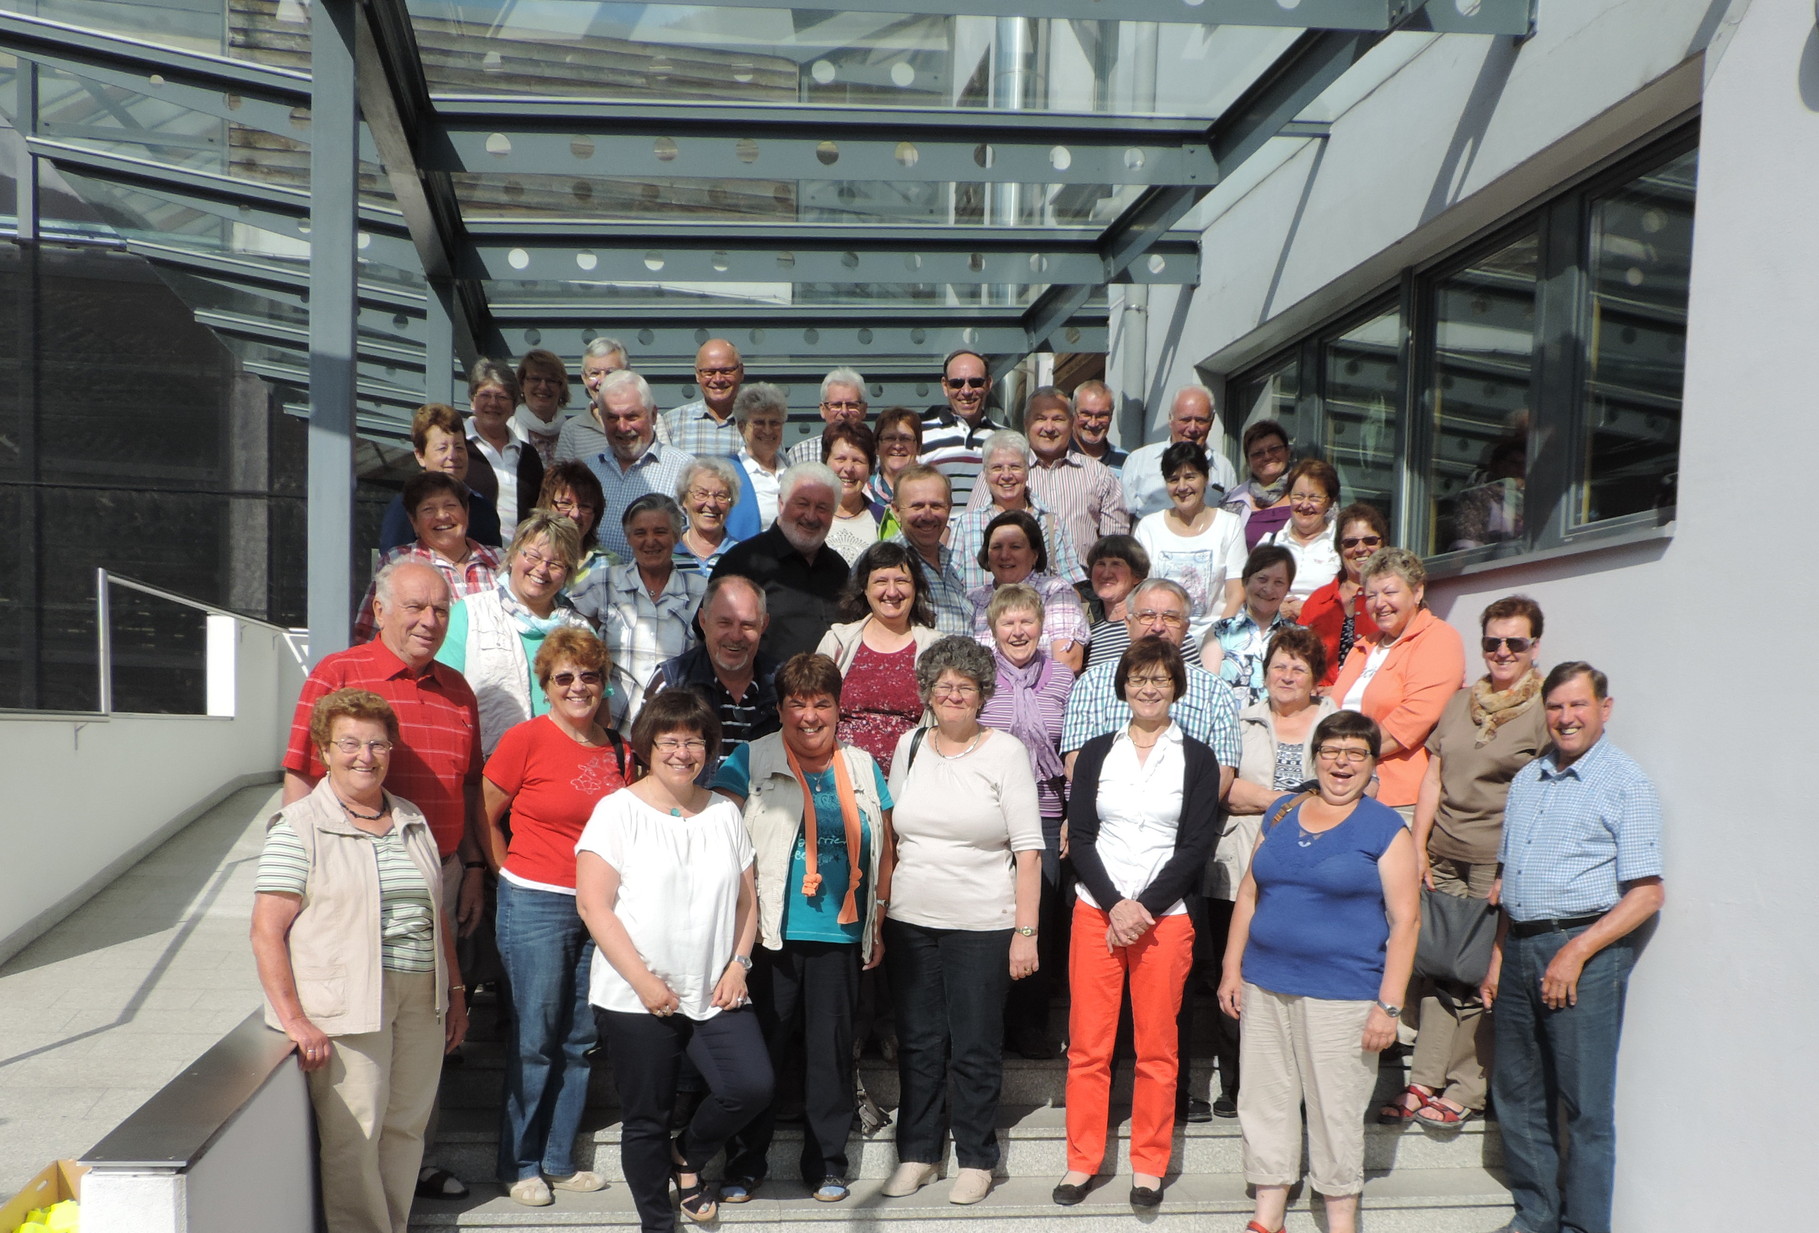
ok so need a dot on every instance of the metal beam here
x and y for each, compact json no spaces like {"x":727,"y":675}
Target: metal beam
{"x":488,"y":135}
{"x":394,"y":98}
{"x":1310,"y":64}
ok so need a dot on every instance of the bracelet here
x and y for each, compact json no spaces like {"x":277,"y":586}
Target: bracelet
{"x":457,"y":988}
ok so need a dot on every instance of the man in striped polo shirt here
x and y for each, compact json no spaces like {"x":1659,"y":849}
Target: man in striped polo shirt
{"x":953,"y":433}
{"x":725,"y":670}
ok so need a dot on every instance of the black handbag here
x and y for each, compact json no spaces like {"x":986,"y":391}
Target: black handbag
{"x":1456,"y":939}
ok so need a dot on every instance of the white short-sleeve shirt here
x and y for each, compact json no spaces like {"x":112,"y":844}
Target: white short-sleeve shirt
{"x":678,"y":896}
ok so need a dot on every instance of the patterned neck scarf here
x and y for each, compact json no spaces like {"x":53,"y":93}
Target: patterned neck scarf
{"x":1491,"y":709}
{"x":1265,"y":495}
{"x":1028,"y":724}
{"x":528,"y":622}
{"x":849,"y":815}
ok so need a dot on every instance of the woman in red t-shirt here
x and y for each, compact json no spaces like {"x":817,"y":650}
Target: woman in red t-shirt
{"x":1333,"y":610}
{"x":550,"y":772}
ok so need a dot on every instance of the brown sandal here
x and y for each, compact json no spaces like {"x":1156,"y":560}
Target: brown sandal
{"x":1402,"y":1111}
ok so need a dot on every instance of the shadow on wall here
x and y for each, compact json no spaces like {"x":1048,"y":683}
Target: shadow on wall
{"x":1474,"y":118}
{"x":1809,"y":71}
{"x":1577,"y":568}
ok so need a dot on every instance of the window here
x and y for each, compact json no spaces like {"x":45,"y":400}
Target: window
{"x":1536,"y":402}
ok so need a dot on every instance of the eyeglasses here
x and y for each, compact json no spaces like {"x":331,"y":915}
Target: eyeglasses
{"x":734,"y":371}
{"x":1517,"y":646}
{"x":533,"y":560}
{"x":962,"y":691}
{"x":673,"y":745}
{"x":1337,"y":753}
{"x":349,"y":746}
{"x":710,"y":494}
{"x":1361,"y":541}
{"x":966,"y":383}
{"x":897,"y":438}
{"x":562,"y":680}
{"x":1307,"y":498}
{"x":1267,"y":451}
{"x":846,"y":405}
{"x":1143,"y":681}
{"x":1149,"y":616}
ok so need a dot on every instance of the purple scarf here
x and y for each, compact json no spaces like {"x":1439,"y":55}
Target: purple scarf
{"x":1029,"y":721}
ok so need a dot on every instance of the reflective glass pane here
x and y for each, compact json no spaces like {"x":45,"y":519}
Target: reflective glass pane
{"x":1363,"y":388}
{"x":1641,"y":245}
{"x":1272,"y":394}
{"x":1484,"y":350}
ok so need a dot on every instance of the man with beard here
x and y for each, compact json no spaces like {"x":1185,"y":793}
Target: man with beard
{"x":801,"y":576}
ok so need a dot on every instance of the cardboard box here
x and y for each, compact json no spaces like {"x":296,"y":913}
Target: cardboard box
{"x":54,"y":1184}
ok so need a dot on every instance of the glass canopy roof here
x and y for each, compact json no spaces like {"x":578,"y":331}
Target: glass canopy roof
{"x":873,"y":185}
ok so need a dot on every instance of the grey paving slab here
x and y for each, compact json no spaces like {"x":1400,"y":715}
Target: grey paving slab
{"x":103,"y":1010}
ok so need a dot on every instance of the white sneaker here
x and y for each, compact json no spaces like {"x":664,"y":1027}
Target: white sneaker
{"x":910,"y":1177}
{"x":970,"y":1185}
{"x":586,"y":1182}
{"x":532,"y":1192}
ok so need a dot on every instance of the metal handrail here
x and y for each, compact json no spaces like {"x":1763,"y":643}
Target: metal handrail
{"x":104,"y":638}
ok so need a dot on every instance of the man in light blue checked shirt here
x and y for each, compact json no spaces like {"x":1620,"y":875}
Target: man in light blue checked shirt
{"x":1581,"y":871}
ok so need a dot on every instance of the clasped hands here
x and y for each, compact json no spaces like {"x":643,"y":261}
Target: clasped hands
{"x":1128,"y":922}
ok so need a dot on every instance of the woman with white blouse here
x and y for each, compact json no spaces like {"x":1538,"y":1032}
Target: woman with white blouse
{"x":1313,"y":494}
{"x":962,"y":917}
{"x":664,"y":882}
{"x":1197,"y":545}
{"x":1142,"y":820}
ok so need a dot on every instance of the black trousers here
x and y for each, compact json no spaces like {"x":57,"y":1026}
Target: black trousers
{"x":807,"y":992}
{"x":647,"y":1052}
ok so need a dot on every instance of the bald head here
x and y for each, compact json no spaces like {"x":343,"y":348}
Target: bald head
{"x":1191,"y":415}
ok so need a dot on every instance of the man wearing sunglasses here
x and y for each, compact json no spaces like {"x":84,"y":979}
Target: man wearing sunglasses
{"x":953,"y":432}
{"x":1190,"y":418}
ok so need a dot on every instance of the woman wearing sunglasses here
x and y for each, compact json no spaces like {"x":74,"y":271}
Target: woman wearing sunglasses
{"x":550,"y":772}
{"x":1488,"y":732}
{"x":1333,"y":611}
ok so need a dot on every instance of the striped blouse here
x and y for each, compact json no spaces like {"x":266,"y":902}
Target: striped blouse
{"x":407,"y":922}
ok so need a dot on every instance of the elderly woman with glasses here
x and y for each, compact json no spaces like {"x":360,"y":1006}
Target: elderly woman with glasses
{"x":645,"y":609}
{"x":1012,"y":550}
{"x":1004,"y":487}
{"x":899,"y":431}
{"x":1313,"y":491}
{"x":543,"y":384}
{"x":494,"y":636}
{"x":507,"y":469}
{"x":961,"y":923}
{"x":1336,"y":610}
{"x":1262,"y":500}
{"x":573,"y":491}
{"x":760,"y":410}
{"x":1318,"y":959}
{"x":550,"y":772}
{"x":708,"y":492}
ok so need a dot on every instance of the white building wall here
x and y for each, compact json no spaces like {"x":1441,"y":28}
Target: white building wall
{"x":1701,"y":632}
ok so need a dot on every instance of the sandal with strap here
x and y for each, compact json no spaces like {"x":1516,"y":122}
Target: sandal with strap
{"x":1254,"y":1227}
{"x":1437,"y":1115}
{"x":697,"y":1202}
{"x":1401,"y":1111}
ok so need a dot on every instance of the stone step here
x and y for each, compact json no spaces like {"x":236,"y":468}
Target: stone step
{"x":1409,"y":1200}
{"x":1033,"y":1141}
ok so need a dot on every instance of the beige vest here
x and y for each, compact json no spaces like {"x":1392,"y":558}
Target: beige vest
{"x":773,"y":815}
{"x":334,"y":941}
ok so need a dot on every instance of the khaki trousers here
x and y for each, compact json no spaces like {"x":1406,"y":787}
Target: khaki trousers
{"x":1293,"y":1049}
{"x":1453,"y":1048}
{"x":371,"y":1102}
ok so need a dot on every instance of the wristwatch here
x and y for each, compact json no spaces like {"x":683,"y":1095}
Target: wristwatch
{"x":744,"y":961}
{"x":1026,"y":931}
{"x":1394,"y":1012}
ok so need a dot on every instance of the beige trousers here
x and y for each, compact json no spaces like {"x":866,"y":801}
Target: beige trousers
{"x":371,"y":1101}
{"x":1292,"y":1049}
{"x":1453,"y":1049}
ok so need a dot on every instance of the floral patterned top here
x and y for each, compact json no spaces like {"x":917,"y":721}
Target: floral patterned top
{"x":879,"y":702}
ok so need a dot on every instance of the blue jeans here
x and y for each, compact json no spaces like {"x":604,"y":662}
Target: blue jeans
{"x":547,"y":952}
{"x":949,"y":986}
{"x":1559,"y":1062}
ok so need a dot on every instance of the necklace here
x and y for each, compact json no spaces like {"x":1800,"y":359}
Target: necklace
{"x":971,"y":745}
{"x":364,"y":817}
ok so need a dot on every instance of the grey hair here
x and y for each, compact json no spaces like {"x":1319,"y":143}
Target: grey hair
{"x":806,"y":473}
{"x":382,"y":581}
{"x":717,"y":585}
{"x":756,"y":396}
{"x":842,"y":376}
{"x":625,"y":376}
{"x":957,"y":653}
{"x":602,"y":347}
{"x":1159,"y":584}
{"x":719,"y":468}
{"x":487,"y":372}
{"x":658,"y":502}
{"x":1004,"y":441}
{"x":1398,"y":561}
{"x":1194,"y":387}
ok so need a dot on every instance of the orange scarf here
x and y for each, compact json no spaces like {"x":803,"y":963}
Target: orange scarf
{"x":849,"y":814}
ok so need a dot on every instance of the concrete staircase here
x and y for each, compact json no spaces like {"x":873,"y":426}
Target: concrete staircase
{"x":1415,"y":1181}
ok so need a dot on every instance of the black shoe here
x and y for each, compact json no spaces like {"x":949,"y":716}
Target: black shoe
{"x":1144,"y":1196}
{"x":1193,"y":1109}
{"x":1067,"y":1194}
{"x":1225,"y":1106}
{"x":1032,"y":1045}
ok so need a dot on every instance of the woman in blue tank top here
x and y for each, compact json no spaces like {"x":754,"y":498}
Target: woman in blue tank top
{"x":1321,"y":948}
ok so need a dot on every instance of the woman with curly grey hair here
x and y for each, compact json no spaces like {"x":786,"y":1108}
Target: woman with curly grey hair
{"x":961,"y":925}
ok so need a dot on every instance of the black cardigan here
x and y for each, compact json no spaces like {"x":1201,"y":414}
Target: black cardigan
{"x":1195,"y":835}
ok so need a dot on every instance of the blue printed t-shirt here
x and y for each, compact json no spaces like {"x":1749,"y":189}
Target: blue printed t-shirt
{"x":814,"y":918}
{"x":1320,"y":929}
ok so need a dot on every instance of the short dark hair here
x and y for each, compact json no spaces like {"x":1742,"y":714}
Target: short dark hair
{"x":808,"y":675}
{"x":891,"y":416}
{"x":1513,"y":606}
{"x":1354,"y":724}
{"x":435,"y":415}
{"x":1185,"y":454}
{"x":858,"y":436}
{"x":1301,"y":642}
{"x":1024,"y":521}
{"x":1150,"y":651}
{"x":886,"y":555}
{"x":1259,"y":430}
{"x":1320,"y":471}
{"x":1120,"y":548}
{"x":1562,"y":673}
{"x":675,"y":710}
{"x":1265,"y":555}
{"x":426,"y":484}
{"x":1358,"y":511}
{"x":580,"y":482}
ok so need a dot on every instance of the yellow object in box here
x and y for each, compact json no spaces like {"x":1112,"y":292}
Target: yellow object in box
{"x":49,"y":1194}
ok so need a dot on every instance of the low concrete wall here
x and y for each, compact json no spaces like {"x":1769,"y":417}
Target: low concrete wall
{"x":89,"y":795}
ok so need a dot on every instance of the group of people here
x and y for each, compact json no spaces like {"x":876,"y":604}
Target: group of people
{"x":716,"y":780}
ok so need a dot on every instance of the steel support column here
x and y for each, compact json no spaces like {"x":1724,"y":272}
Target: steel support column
{"x":333,"y":309}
